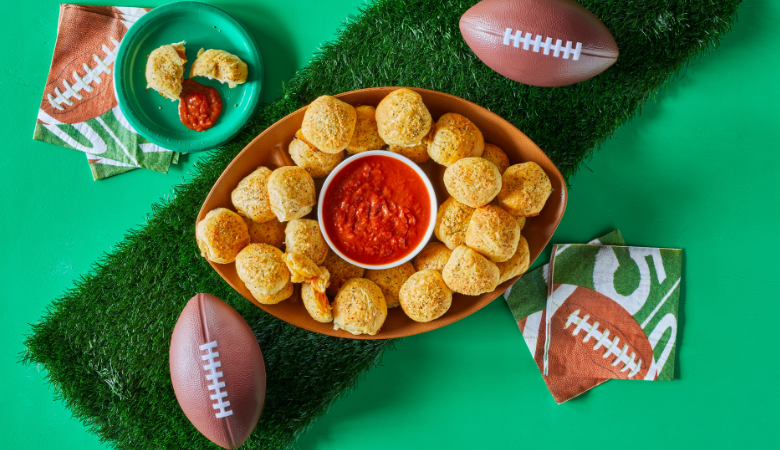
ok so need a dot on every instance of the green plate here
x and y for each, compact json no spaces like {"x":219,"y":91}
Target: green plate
{"x":202,"y":26}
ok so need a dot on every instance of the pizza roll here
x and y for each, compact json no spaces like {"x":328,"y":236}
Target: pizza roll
{"x":470,"y":273}
{"x":517,"y":264}
{"x":165,"y":70}
{"x":291,"y":193}
{"x":340,"y":271}
{"x":221,"y":66}
{"x":250,"y":197}
{"x":329,"y":123}
{"x":262,"y":267}
{"x":316,"y":304}
{"x":402,"y":118}
{"x":521,"y":222}
{"x":366,"y":136}
{"x":221,"y":235}
{"x":271,"y":232}
{"x":304,"y":236}
{"x":417,"y":153}
{"x":456,"y":137}
{"x":303,"y":270}
{"x":473,"y":181}
{"x":359,"y":307}
{"x":452,"y":221}
{"x":525,"y":189}
{"x":317,"y":163}
{"x":425,"y":296}
{"x":283,"y":294}
{"x":390,"y":281}
{"x":433,"y":256}
{"x":497,"y":156}
{"x":493,"y":232}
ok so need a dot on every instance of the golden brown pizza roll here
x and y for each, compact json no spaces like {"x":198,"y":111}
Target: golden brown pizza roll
{"x":250,"y":197}
{"x":366,"y":136}
{"x":456,"y":137}
{"x":340,"y":271}
{"x":517,"y":264}
{"x":473,"y":181}
{"x":317,"y":163}
{"x":301,"y":267}
{"x":316,"y":303}
{"x":493,"y":232}
{"x":221,"y":235}
{"x":291,"y":193}
{"x":433,"y":256}
{"x":452,"y":221}
{"x":497,"y":156}
{"x":525,"y":189}
{"x":417,"y":153}
{"x":425,"y":296}
{"x":402,"y":118}
{"x":390,"y":281}
{"x":359,"y":307}
{"x":165,"y":70}
{"x":221,"y":66}
{"x":470,"y":273}
{"x":283,"y":294}
{"x":304,"y":236}
{"x":271,"y":232}
{"x":329,"y":124}
{"x":262,"y":267}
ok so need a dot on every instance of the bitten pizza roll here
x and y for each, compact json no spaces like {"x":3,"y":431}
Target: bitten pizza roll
{"x":452,"y":221}
{"x":470,"y":273}
{"x":317,"y":163}
{"x":262,"y":267}
{"x":221,"y":235}
{"x":340,"y":271}
{"x":304,"y":236}
{"x":283,"y":294}
{"x":497,"y":156}
{"x":456,"y":137}
{"x":250,"y":197}
{"x":517,"y":264}
{"x":525,"y":189}
{"x":165,"y":70}
{"x":271,"y":232}
{"x":316,"y":304}
{"x":402,"y":118}
{"x":425,"y":296}
{"x":473,"y":181}
{"x":390,"y":281}
{"x":366,"y":136}
{"x":329,"y":123}
{"x":433,"y":256}
{"x":493,"y":232}
{"x":303,"y":270}
{"x":359,"y":307}
{"x":291,"y":193}
{"x":221,"y":66}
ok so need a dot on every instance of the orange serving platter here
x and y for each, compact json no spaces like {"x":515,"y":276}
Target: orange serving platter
{"x":270,"y":149}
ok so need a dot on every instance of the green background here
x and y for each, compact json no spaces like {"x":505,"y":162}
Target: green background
{"x":698,"y":170}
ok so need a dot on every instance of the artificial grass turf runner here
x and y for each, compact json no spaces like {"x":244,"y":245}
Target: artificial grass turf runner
{"x":105,"y":342}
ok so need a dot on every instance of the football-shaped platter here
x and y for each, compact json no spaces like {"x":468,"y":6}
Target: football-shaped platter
{"x":539,"y":42}
{"x":597,"y":336}
{"x":217,"y":371}
{"x":270,"y":149}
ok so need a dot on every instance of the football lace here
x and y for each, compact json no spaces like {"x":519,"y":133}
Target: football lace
{"x":611,"y":345}
{"x":528,"y":40}
{"x":83,"y":83}
{"x":214,"y":377}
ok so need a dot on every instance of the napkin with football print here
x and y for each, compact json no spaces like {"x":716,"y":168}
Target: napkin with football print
{"x":599,"y":311}
{"x":79,"y":108}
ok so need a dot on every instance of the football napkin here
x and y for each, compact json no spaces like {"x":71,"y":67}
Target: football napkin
{"x":599,"y":311}
{"x":79,"y":108}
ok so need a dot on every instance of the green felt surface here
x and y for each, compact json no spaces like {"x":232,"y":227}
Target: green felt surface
{"x":697,"y":170}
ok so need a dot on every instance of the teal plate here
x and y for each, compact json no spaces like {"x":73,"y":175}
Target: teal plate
{"x":202,"y":26}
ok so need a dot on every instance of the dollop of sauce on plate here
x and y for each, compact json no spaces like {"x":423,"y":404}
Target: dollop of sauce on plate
{"x":199,"y":105}
{"x":376,"y":210}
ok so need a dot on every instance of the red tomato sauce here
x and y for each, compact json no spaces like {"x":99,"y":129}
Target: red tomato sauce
{"x":199,"y":105}
{"x":376,"y":210}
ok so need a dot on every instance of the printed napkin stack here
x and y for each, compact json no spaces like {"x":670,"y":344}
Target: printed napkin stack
{"x":599,"y":311}
{"x":79,"y":108}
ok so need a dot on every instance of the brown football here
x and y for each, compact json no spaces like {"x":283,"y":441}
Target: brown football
{"x":217,"y":371}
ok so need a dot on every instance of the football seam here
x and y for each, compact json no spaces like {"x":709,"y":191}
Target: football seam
{"x":83,"y":83}
{"x":603,"y":339}
{"x":547,"y":45}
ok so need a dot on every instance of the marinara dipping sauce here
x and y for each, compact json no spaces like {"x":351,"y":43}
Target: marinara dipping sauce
{"x":199,"y":105}
{"x":376,"y":210}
